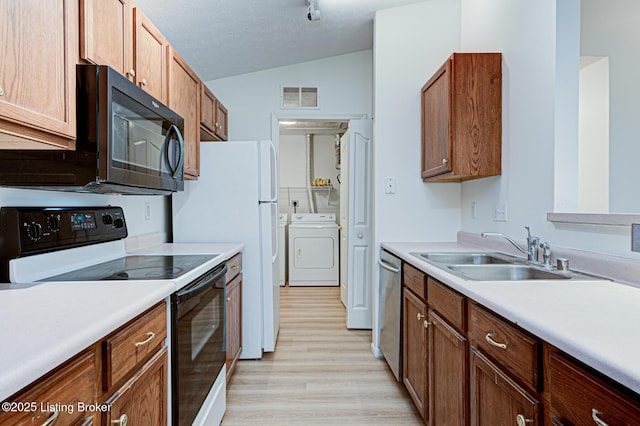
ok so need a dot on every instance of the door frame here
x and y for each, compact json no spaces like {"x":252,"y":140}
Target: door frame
{"x":318,"y":116}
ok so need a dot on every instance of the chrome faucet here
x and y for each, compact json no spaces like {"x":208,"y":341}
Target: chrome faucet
{"x":533,"y":243}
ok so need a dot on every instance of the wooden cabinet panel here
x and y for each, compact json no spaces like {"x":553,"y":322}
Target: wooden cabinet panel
{"x":184,"y":98}
{"x":595,"y":399}
{"x":142,"y":400}
{"x":221,"y":120}
{"x":62,"y":395}
{"x":415,"y":280}
{"x":451,"y":304}
{"x":519,"y":356}
{"x":496,"y":399}
{"x":448,"y":374}
{"x":234,"y":323}
{"x":133,"y":343}
{"x":106,"y":34}
{"x":462,"y":119}
{"x":39,"y":50}
{"x":150,"y":57}
{"x":414,"y":360}
{"x":234,"y":266}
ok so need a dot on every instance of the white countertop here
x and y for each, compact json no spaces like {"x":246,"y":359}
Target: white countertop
{"x":594,"y":321}
{"x":44,"y":325}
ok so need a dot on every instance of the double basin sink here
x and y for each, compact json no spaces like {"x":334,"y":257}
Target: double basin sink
{"x":496,"y":267}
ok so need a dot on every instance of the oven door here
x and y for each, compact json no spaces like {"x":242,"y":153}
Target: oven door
{"x":198,"y":350}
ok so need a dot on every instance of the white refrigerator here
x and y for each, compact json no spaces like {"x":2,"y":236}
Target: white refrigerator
{"x":235,"y":199}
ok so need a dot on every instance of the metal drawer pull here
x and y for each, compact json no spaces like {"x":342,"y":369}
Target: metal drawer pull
{"x":235,"y":267}
{"x":122,"y":420}
{"x":445,"y":161}
{"x":151,"y":335}
{"x":489,"y":338}
{"x":522,"y":420}
{"x":427,"y":324}
{"x":595,"y":415}
{"x":51,"y":420}
{"x":420,"y":316}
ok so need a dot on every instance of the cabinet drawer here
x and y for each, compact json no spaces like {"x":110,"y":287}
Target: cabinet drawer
{"x":60,"y":395}
{"x":124,"y":350}
{"x":415,"y":280}
{"x":234,"y":266}
{"x":595,"y":399}
{"x":513,"y":349}
{"x":449,"y":303}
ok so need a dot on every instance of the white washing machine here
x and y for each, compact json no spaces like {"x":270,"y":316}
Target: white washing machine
{"x":283,"y":220}
{"x":313,"y":249}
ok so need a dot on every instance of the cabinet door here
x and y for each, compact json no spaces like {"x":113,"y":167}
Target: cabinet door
{"x":106,"y":34}
{"x":207,"y":111}
{"x":150,"y":56}
{"x":37,"y":70}
{"x":184,"y":98}
{"x":56,"y":400}
{"x":436,"y":111}
{"x":415,"y":363}
{"x":498,"y":400}
{"x":143,"y":399}
{"x":448,"y":373}
{"x":221,"y":120}
{"x":234,"y":323}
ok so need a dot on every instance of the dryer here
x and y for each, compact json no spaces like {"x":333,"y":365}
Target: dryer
{"x":283,"y":220}
{"x":313,"y":249}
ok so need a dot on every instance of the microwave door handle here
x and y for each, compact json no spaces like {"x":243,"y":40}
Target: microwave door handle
{"x":167,"y":143}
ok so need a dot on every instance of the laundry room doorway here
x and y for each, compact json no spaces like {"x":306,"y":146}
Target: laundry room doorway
{"x":325,"y":175}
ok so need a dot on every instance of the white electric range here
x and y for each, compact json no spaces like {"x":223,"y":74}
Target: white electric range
{"x":69,"y":268}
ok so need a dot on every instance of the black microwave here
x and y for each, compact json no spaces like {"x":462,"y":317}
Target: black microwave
{"x":128,"y":142}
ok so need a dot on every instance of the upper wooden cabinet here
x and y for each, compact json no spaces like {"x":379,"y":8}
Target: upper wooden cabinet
{"x":213,"y":116}
{"x":106,"y":34}
{"x":462,"y":119}
{"x":115,"y":33}
{"x":150,"y":56}
{"x":184,"y":98}
{"x":39,"y":50}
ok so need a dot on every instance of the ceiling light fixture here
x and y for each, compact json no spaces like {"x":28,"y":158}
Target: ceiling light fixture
{"x":313,"y":13}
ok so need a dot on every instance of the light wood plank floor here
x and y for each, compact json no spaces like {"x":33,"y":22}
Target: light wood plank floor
{"x":320,"y":374}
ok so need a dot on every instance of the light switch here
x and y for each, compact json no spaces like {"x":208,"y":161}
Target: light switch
{"x":389,"y":185}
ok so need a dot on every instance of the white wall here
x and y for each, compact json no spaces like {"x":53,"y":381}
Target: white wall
{"x":410,"y":44}
{"x":133,"y":206}
{"x":532,"y":85}
{"x":344,"y":89}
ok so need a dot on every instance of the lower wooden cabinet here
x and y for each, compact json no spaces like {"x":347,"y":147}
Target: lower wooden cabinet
{"x":142,"y":400}
{"x":498,"y":400}
{"x":596,"y":402}
{"x":414,"y":360}
{"x":234,"y":323}
{"x":58,"y":398}
{"x":448,"y":375}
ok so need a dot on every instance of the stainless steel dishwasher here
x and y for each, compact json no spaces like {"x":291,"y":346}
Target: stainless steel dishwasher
{"x":391,"y":311}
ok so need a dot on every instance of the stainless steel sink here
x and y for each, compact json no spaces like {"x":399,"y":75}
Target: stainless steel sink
{"x":505,"y":273}
{"x":466,"y":258}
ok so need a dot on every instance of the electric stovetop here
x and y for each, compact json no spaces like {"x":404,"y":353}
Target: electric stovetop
{"x":141,"y":267}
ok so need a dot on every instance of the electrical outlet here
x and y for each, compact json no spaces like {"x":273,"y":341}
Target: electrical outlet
{"x":147,"y":211}
{"x":635,"y":237}
{"x":500,"y":212}
{"x":474,"y":210}
{"x":389,"y":185}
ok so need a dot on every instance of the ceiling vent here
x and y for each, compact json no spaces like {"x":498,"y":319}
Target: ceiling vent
{"x":299,"y":97}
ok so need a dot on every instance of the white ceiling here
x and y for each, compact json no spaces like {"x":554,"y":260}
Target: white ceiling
{"x":221,"y":38}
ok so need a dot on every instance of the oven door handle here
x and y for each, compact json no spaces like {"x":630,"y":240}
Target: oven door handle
{"x":202,"y":283}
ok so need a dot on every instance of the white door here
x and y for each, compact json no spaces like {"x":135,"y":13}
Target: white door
{"x":359,"y":270}
{"x":344,"y":216}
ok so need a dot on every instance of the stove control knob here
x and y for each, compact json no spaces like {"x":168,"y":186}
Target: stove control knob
{"x":54,"y":222}
{"x":34,"y":231}
{"x":118,"y":223}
